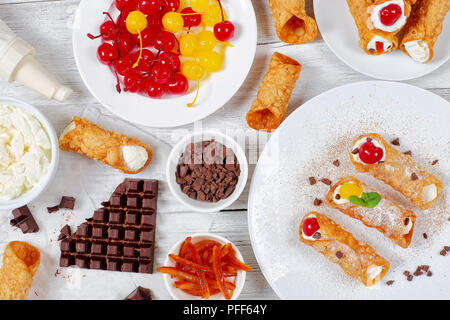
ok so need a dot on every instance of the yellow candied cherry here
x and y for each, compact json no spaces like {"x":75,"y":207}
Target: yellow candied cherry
{"x":206,"y":40}
{"x":173,"y":22}
{"x":193,"y":71}
{"x":212,"y":61}
{"x":213,"y":15}
{"x":199,"y":6}
{"x":136,"y":22}
{"x":350,"y":189}
{"x":188,"y":45}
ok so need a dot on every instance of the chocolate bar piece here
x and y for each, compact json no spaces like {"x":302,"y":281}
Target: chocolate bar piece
{"x":24,"y":220}
{"x":120,"y":236}
{"x":53,"y":209}
{"x":65,"y":232}
{"x":67,"y":202}
{"x":140,"y":293}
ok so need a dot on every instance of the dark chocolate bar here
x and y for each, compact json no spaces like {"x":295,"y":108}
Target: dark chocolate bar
{"x":24,"y":220}
{"x":120,"y":236}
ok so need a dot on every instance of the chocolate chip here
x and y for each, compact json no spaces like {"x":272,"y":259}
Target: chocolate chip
{"x":406,"y":273}
{"x":317,"y":202}
{"x":429,"y":274}
{"x":396,"y":142}
{"x":338,"y":196}
{"x":418,"y":273}
{"x":434,"y":162}
{"x":406,"y":221}
{"x":425,"y":236}
{"x":414,"y":177}
{"x":336,"y":163}
{"x":447,"y":248}
{"x":409,"y":278}
{"x":326,"y":181}
{"x":312,"y":181}
{"x":339,"y":255}
{"x":443,"y":252}
{"x":409,"y":153}
{"x":390,"y":282}
{"x":355,"y":151}
{"x":369,"y":139}
{"x":317,"y":236}
{"x":425,"y":267}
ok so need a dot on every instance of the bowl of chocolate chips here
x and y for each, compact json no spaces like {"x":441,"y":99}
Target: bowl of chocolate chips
{"x":207,"y":171}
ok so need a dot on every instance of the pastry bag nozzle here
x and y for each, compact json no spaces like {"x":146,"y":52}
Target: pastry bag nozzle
{"x":17,"y":63}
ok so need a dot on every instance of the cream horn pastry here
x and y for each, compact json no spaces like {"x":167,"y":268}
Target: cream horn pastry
{"x":292,"y":23}
{"x":356,"y":258}
{"x":423,"y":28}
{"x":372,"y":154}
{"x":372,"y":41}
{"x":359,"y":201}
{"x":129,"y":155}
{"x":389,"y":15}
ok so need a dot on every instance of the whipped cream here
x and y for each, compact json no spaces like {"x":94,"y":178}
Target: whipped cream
{"x":25,"y":152}
{"x":376,"y":21}
{"x":418,"y":50}
{"x":429,"y":193}
{"x":309,"y":237}
{"x":134,"y":157}
{"x":374,"y":271}
{"x":372,"y":45}
{"x":360,"y":142}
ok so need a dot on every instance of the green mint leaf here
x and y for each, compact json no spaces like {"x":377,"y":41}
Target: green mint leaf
{"x":357,"y":201}
{"x":373,"y":199}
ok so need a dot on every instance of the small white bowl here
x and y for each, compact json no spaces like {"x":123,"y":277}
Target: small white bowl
{"x":32,"y":194}
{"x":177,"y":151}
{"x":179,"y":294}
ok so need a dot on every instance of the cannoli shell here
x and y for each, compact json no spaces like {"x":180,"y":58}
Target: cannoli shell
{"x":292,"y":23}
{"x":20,"y":263}
{"x":387,"y":217}
{"x":359,"y":9}
{"x":425,"y":23}
{"x":97,"y":143}
{"x":340,"y":247}
{"x":397,"y":171}
{"x":269,"y":109}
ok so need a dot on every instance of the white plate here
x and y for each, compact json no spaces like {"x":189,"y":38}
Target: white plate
{"x":305,"y":145}
{"x":215,"y":91}
{"x":339,"y":31}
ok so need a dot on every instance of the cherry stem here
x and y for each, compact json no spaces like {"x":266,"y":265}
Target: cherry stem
{"x":221,"y":9}
{"x":196,"y":95}
{"x":109,"y":16}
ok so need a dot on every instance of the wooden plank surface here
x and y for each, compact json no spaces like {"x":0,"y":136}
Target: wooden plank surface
{"x":46,"y":24}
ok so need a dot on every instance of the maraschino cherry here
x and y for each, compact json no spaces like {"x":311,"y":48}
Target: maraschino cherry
{"x":390,"y":14}
{"x":369,"y":153}
{"x":310,"y":226}
{"x":224,"y":30}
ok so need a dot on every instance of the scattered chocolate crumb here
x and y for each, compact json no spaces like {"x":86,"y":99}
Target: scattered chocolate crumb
{"x":418,"y":272}
{"x":406,"y":273}
{"x":338,"y":196}
{"x":425,"y":236}
{"x":396,"y":142}
{"x":409,"y":278}
{"x":414,"y":176}
{"x":409,"y":153}
{"x":390,"y":282}
{"x":317,"y":202}
{"x":65,"y":232}
{"x":425,"y":267}
{"x":339,"y":255}
{"x":355,"y":151}
{"x":53,"y":209}
{"x":434,"y":162}
{"x":317,"y":235}
{"x":326,"y":181}
{"x":337,"y":163}
{"x":447,"y":248}
{"x":312,"y":181}
{"x":443,"y":252}
{"x":429,"y":274}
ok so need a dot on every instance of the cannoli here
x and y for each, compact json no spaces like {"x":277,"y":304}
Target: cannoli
{"x":359,"y":201}
{"x":129,"y":155}
{"x":269,"y":108}
{"x":372,"y":41}
{"x":20,"y":263}
{"x":389,"y":15}
{"x":423,"y":28}
{"x":356,"y":258}
{"x":372,"y":154}
{"x":292,"y":23}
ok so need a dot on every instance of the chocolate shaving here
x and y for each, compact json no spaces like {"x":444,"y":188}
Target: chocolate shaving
{"x":434,"y":162}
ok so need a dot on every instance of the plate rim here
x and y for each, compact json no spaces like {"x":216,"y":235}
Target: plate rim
{"x":252,"y":187}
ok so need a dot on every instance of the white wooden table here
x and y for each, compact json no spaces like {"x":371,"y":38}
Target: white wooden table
{"x":46,"y":24}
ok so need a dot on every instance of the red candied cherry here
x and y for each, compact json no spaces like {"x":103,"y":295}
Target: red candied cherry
{"x":390,"y":14}
{"x":149,"y":6}
{"x":107,"y":53}
{"x":133,"y":82}
{"x":310,"y":226}
{"x":190,"y":19}
{"x":369,"y":153}
{"x":170,"y":59}
{"x":123,"y":65}
{"x":164,"y":41}
{"x":108,"y":31}
{"x":120,"y":4}
{"x":147,"y":37}
{"x":154,"y":22}
{"x":146,"y":62}
{"x":170,"y":5}
{"x":224,"y":31}
{"x":178,"y":85}
{"x":126,"y":43}
{"x":162,"y":73}
{"x":153,"y":89}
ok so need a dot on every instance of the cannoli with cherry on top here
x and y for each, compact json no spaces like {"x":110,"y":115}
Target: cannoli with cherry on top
{"x":359,"y":201}
{"x":129,"y":155}
{"x":372,"y":154}
{"x":356,"y":258}
{"x":389,"y":15}
{"x":372,"y":41}
{"x":423,"y":28}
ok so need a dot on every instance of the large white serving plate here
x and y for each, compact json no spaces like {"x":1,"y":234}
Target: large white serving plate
{"x":215,"y":90}
{"x":339,"y":31}
{"x":319,"y":132}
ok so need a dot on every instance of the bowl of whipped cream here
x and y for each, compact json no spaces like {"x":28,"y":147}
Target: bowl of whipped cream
{"x":29,"y":153}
